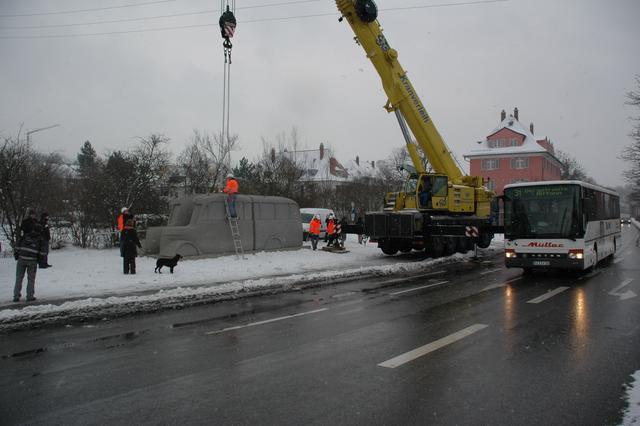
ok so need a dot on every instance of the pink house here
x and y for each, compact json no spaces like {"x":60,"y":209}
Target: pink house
{"x":511,"y":153}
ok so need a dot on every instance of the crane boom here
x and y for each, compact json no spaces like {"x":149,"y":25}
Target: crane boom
{"x":402,"y":96}
{"x":441,"y":211}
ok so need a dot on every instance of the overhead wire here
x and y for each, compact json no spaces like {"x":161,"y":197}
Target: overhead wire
{"x":145,"y":18}
{"x":284,"y":18}
{"x":95,"y":9}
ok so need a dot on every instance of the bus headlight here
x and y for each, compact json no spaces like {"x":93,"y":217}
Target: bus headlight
{"x":576,"y":254}
{"x":509,"y":253}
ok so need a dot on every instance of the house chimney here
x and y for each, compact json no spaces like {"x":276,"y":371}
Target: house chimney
{"x":373,"y":164}
{"x":531,"y":128}
{"x":321,"y":151}
{"x":357,"y":160}
{"x":515,"y":113}
{"x":503,"y":115}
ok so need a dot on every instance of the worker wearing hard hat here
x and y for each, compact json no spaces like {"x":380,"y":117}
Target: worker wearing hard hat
{"x":314,"y":231}
{"x":231,"y":189}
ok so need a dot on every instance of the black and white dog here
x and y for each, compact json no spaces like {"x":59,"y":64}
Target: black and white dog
{"x":171,"y":263}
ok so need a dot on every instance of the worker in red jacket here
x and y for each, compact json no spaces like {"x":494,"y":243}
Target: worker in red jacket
{"x":331,"y":229}
{"x":314,"y":231}
{"x":231,"y":189}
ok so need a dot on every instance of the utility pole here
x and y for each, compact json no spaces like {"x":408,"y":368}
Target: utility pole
{"x":39,"y":130}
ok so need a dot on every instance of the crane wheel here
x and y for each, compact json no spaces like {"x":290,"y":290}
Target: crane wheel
{"x":485,"y":240}
{"x":389,"y":249}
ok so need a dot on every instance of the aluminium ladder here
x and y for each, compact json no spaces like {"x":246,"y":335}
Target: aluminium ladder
{"x":235,"y":231}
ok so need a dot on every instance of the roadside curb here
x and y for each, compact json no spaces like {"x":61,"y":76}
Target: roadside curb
{"x":91,"y":309}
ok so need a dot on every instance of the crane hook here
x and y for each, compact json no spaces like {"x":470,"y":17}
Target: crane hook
{"x":227,"y":28}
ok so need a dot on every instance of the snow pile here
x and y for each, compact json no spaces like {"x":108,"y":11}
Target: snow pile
{"x":95,"y":279}
{"x":632,"y":414}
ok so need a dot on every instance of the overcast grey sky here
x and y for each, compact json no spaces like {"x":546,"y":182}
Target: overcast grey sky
{"x":566,"y":65}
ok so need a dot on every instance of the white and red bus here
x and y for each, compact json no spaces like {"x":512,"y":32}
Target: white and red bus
{"x":559,"y":224}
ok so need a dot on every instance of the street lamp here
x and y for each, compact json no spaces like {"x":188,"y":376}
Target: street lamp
{"x":39,"y":130}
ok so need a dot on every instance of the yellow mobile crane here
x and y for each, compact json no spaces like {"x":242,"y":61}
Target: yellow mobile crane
{"x":443,"y":211}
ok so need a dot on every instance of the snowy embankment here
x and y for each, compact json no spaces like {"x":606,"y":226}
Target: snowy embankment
{"x":90,"y":283}
{"x":632,"y":413}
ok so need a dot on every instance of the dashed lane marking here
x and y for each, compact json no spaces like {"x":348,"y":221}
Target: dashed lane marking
{"x":548,"y":295}
{"x":399,"y":280}
{"x":618,"y":260}
{"x":498,"y":285}
{"x":490,"y":271}
{"x":341,"y":295}
{"x":433,"y":346}
{"x":237,"y":327}
{"x":418,"y":288}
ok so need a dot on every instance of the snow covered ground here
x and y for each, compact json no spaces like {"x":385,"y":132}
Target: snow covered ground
{"x":86,"y":279}
{"x":632,"y":414}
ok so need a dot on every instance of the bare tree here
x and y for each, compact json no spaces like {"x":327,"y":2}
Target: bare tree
{"x":28,"y":179}
{"x":631,"y":153}
{"x":206,"y":160}
{"x":570,"y":168}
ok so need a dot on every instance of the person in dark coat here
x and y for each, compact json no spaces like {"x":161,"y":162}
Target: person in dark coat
{"x":28,"y":224}
{"x":43,"y":261}
{"x":27,"y":252}
{"x":129,"y":250}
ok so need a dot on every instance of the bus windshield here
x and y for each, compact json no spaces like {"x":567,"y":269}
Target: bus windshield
{"x":545,"y":211}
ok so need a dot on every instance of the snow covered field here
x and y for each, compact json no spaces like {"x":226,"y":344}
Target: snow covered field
{"x":82,"y":279}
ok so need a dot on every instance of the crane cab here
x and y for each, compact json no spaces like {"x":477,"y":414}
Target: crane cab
{"x":432,"y":192}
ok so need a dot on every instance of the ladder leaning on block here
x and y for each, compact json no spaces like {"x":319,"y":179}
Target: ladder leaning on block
{"x":235,"y":231}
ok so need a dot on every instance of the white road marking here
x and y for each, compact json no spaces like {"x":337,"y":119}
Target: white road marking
{"x":490,"y":271}
{"x":399,"y":280}
{"x":418,"y":288}
{"x":266,"y":321}
{"x":618,"y":260}
{"x":548,"y":295}
{"x":341,"y":295}
{"x":627,"y":294}
{"x":433,"y":346}
{"x":498,"y":285}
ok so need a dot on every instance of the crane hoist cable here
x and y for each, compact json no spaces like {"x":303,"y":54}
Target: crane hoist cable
{"x":227,"y":29}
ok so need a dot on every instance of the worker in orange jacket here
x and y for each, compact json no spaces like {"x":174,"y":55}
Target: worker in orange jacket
{"x":314,"y":231}
{"x":231,"y":189}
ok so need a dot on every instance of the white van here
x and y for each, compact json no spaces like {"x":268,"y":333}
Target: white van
{"x":307,"y":214}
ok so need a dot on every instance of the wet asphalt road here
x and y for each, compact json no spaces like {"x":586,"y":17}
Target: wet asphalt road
{"x":463,"y":344}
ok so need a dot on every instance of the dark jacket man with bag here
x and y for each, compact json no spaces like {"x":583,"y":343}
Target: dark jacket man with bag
{"x":129,"y":250}
{"x":27,"y":252}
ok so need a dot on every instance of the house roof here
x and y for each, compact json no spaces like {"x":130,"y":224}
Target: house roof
{"x":316,"y":169}
{"x":529,"y":146}
{"x":363,"y":170}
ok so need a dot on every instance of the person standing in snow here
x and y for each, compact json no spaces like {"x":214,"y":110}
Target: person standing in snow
{"x":27,"y":252}
{"x":360,"y":225}
{"x":129,"y":243}
{"x":342,"y":236}
{"x":122,"y":220}
{"x":331,"y":229}
{"x":43,"y":261}
{"x":314,"y":231}
{"x":28,"y":224}
{"x":231,"y":189}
